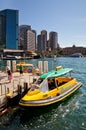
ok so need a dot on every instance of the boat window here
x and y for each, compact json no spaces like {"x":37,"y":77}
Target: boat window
{"x":29,"y":69}
{"x":39,"y":81}
{"x":51,"y":84}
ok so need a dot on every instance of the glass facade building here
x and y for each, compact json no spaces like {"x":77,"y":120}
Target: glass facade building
{"x":39,"y":43}
{"x":53,"y":40}
{"x":27,"y":38}
{"x":23,"y":36}
{"x":43,"y":39}
{"x":10,"y":27}
{"x":2,"y":32}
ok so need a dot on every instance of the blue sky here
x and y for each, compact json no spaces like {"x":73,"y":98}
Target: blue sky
{"x":66,"y":17}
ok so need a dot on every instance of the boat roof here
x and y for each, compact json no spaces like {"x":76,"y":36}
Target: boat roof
{"x":56,"y":73}
{"x":24,"y":64}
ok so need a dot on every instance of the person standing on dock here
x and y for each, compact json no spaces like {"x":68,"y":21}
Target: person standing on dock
{"x":21,"y":69}
{"x":9,"y":73}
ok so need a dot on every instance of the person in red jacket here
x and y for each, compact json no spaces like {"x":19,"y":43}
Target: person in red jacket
{"x":9,"y":73}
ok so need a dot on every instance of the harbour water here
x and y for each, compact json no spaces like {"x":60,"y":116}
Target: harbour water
{"x":67,"y":115}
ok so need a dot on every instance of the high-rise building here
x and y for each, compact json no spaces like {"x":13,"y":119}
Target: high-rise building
{"x":34,"y":31}
{"x":2,"y":32}
{"x":30,"y":40}
{"x":53,"y":40}
{"x":23,"y":36}
{"x":39,"y":43}
{"x":43,"y":40}
{"x":10,"y":28}
{"x":27,"y":38}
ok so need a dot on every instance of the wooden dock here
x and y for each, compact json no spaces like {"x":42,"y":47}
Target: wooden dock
{"x":17,"y":86}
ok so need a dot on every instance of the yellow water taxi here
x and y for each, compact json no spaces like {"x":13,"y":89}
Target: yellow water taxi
{"x":50,"y":88}
{"x":28,"y":68}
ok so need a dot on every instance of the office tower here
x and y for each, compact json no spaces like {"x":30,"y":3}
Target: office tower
{"x":23,"y":36}
{"x":2,"y":32}
{"x":43,"y":40}
{"x":39,"y":43}
{"x":34,"y":31}
{"x":53,"y":40}
{"x":27,"y":38}
{"x":10,"y":27}
{"x":30,"y":41}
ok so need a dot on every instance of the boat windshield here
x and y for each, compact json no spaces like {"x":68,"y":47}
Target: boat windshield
{"x":44,"y":86}
{"x":41,"y":84}
{"x":33,"y":87}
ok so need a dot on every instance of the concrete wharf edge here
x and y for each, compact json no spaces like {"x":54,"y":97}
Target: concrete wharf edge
{"x":6,"y":87}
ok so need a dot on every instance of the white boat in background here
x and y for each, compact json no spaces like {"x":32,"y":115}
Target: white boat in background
{"x":10,"y":57}
{"x":76,"y":55}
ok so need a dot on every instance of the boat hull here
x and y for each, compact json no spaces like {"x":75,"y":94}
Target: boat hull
{"x":50,"y":100}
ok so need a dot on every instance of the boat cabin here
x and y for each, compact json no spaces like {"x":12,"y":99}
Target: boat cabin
{"x":54,"y":79}
{"x":50,"y":83}
{"x":27,"y":68}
